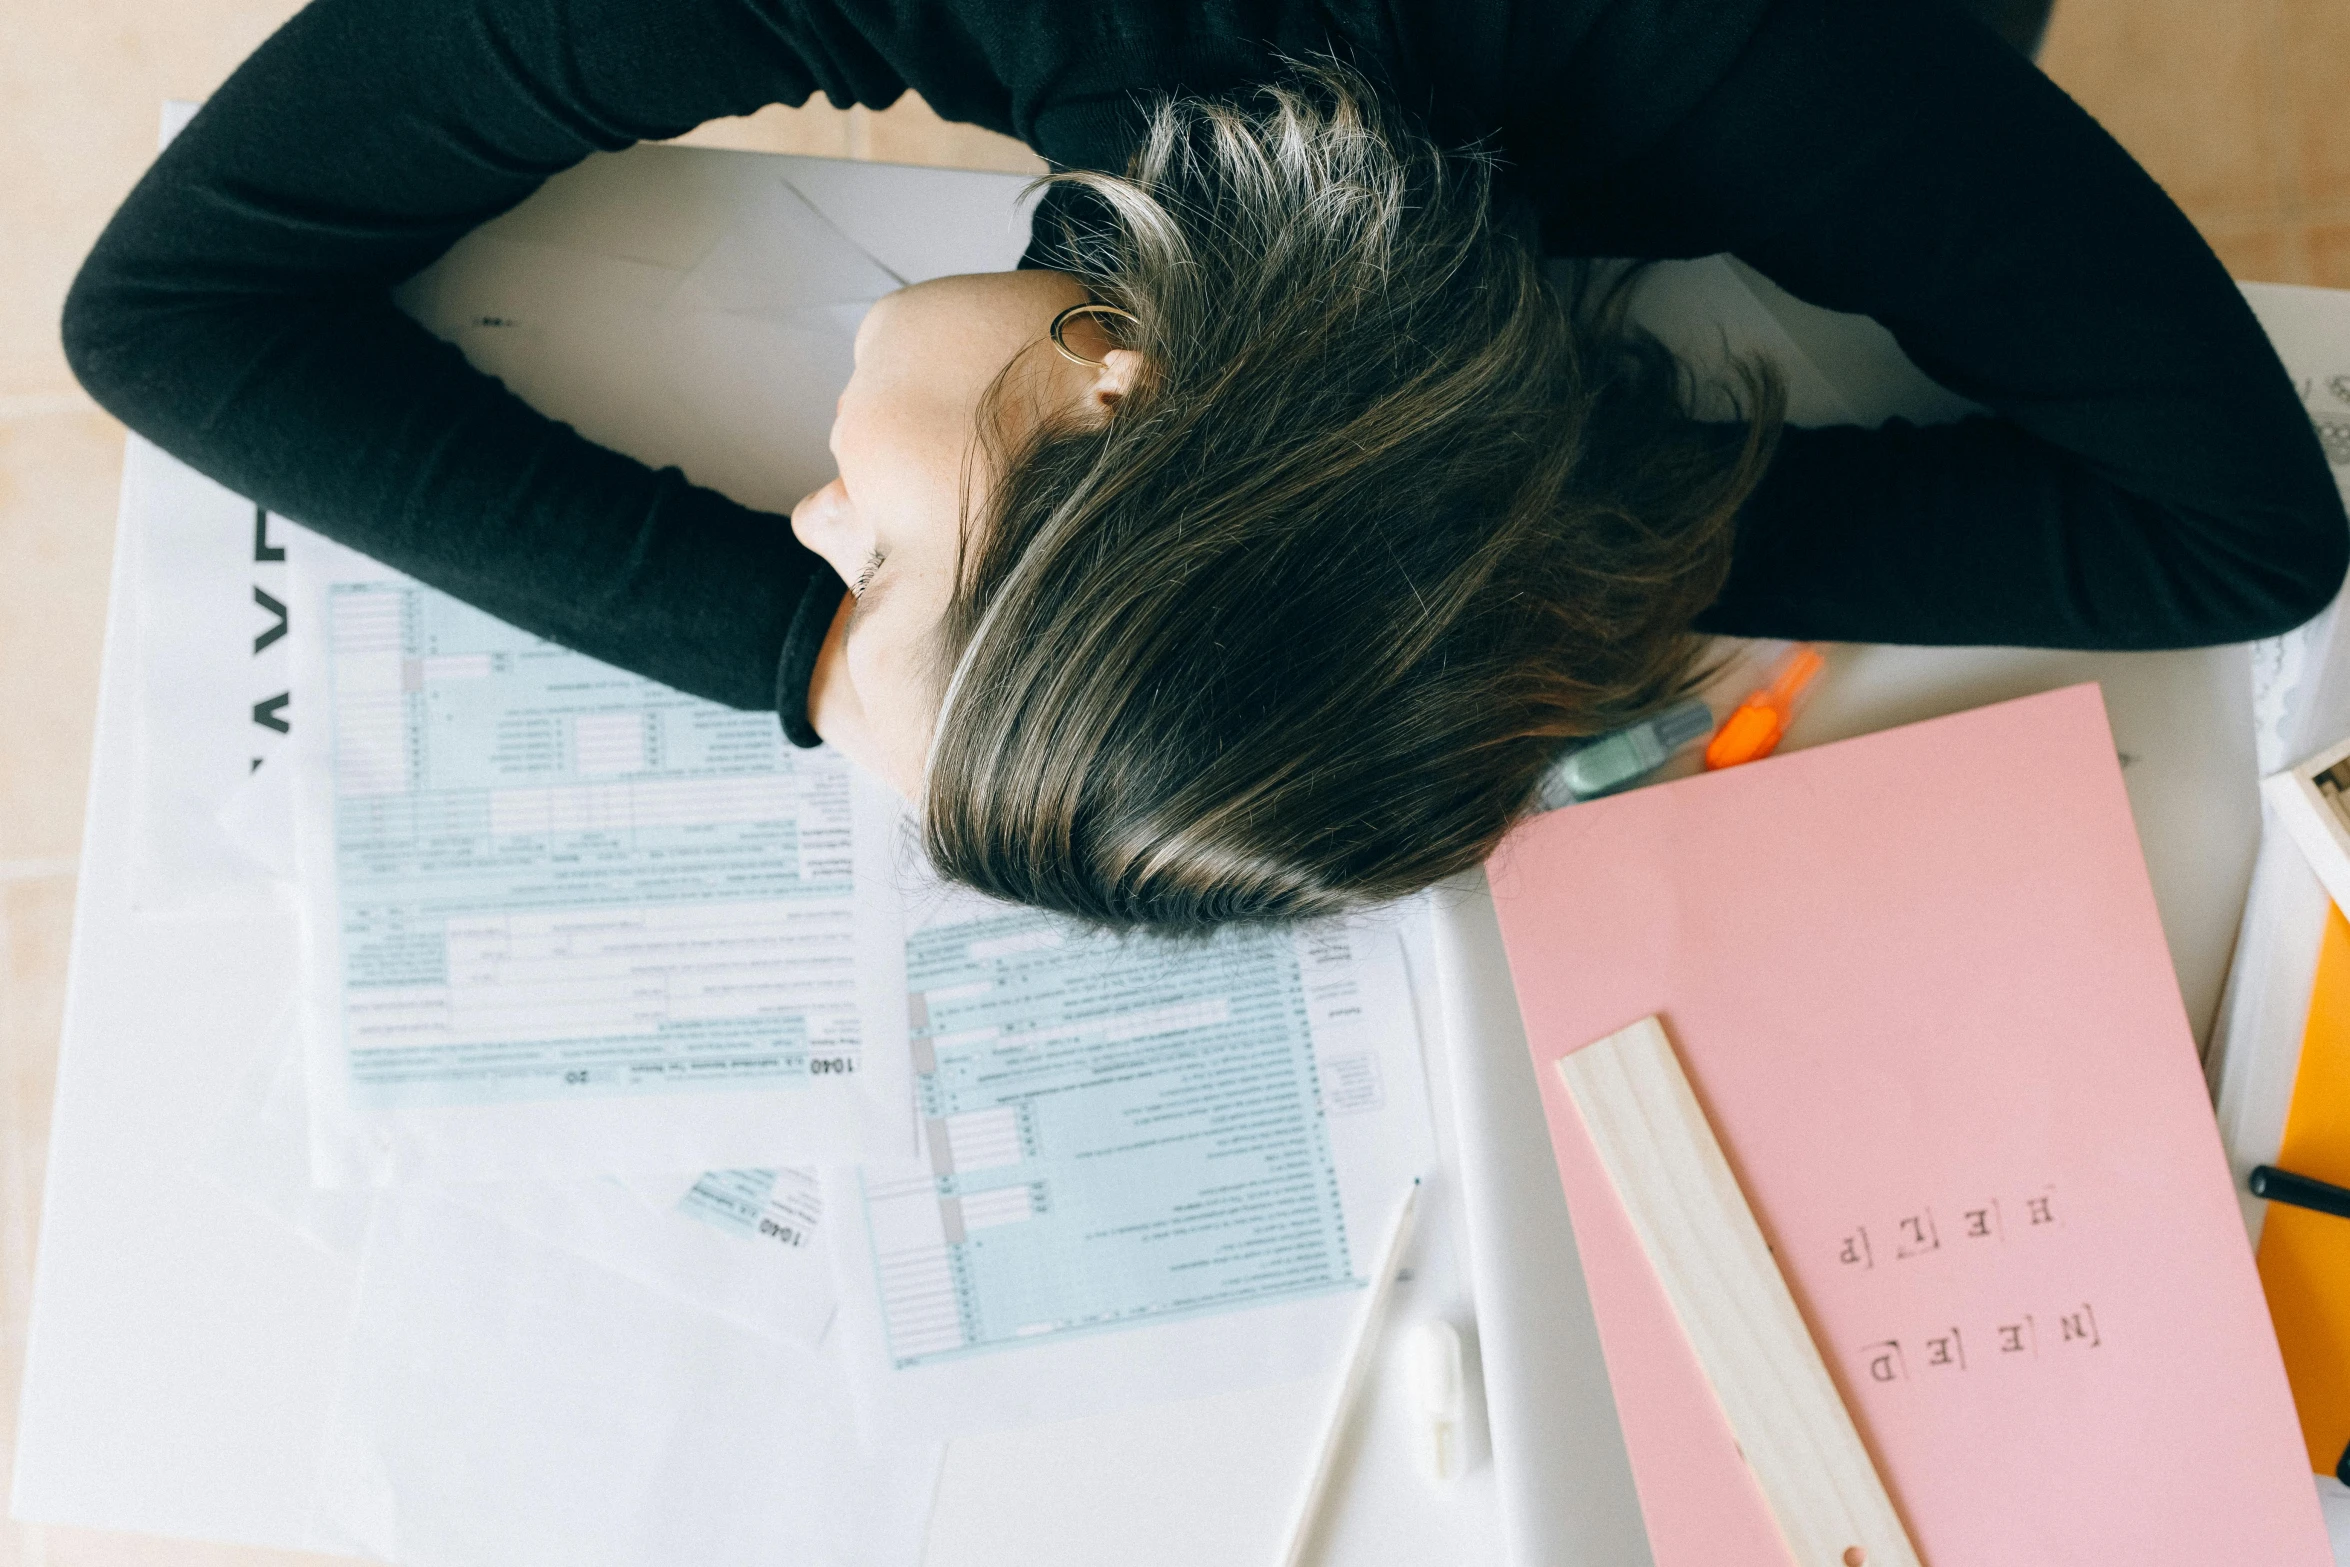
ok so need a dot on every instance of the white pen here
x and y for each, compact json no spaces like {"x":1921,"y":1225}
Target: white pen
{"x":1358,"y":1361}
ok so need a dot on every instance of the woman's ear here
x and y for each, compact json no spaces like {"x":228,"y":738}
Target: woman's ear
{"x":1121,"y":369}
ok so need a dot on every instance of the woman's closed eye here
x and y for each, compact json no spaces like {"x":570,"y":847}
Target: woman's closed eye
{"x":872,"y":565}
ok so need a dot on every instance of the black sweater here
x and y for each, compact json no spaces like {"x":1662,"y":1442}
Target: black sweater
{"x":2151,"y":480}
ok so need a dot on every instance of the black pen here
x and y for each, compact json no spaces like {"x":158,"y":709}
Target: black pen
{"x":2284,"y":1186}
{"x":2266,"y":1180}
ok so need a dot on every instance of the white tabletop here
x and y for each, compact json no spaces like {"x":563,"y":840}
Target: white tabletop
{"x":184,"y":1345}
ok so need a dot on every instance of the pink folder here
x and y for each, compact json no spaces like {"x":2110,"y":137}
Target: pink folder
{"x":1919,"y":985}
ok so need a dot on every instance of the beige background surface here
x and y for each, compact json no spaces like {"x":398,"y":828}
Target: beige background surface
{"x":2241,"y":108}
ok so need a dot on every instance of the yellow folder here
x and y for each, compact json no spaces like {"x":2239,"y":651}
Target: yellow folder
{"x":2304,"y":1256}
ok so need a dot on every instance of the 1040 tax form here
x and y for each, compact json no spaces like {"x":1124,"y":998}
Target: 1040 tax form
{"x":566,"y":920}
{"x":1193,"y":1142}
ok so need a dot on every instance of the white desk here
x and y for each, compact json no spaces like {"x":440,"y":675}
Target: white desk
{"x":183,"y":1346}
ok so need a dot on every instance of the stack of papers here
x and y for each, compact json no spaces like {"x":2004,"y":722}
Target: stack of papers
{"x":700,"y":1163}
{"x":613,"y":1001}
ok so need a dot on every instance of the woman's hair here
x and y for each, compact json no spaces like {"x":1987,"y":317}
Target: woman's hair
{"x":1390,"y":517}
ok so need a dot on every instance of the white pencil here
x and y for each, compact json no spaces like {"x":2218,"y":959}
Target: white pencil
{"x":1358,"y":1361}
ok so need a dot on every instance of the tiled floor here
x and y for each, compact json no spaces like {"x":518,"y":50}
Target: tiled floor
{"x":2237,"y":107}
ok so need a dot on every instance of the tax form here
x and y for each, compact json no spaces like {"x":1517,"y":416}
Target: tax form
{"x":785,"y":1206}
{"x":503,"y":1402}
{"x":739,"y":1244}
{"x":736,"y":1244}
{"x":1150,"y":1168}
{"x":564,"y":920}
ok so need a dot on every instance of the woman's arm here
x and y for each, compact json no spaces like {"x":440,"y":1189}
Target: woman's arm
{"x":2152,"y":481}
{"x":237,"y":312}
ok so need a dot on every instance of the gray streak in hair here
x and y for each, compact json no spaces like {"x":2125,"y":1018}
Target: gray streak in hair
{"x":1390,"y":515}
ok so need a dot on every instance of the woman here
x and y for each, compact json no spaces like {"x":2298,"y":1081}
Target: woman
{"x":1269,"y":584}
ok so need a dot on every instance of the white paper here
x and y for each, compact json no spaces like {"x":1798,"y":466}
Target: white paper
{"x":260,"y":1150}
{"x":726,"y":368}
{"x":921,"y":223}
{"x":781,"y":255}
{"x":182,"y":1342}
{"x":756,"y":414}
{"x":210,"y":579}
{"x":1151,"y":1169}
{"x":506,"y":1404}
{"x":213,"y":690}
{"x":564,"y":921}
{"x":258,"y":817}
{"x":744,"y":1245}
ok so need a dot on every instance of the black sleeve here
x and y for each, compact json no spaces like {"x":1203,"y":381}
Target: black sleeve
{"x":237,"y":313}
{"x":2151,"y":479}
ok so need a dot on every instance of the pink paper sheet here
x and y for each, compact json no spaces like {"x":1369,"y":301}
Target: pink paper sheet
{"x":1918,"y":982}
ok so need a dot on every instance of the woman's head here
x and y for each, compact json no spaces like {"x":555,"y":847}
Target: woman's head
{"x":1285,"y":607}
{"x":929,"y":360}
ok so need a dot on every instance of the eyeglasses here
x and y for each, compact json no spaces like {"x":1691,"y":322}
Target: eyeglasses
{"x":1061,"y":347}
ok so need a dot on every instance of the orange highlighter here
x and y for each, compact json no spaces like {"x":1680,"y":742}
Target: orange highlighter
{"x":1754,"y":730}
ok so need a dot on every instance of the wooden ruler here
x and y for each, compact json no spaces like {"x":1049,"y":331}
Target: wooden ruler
{"x":1791,"y":1426}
